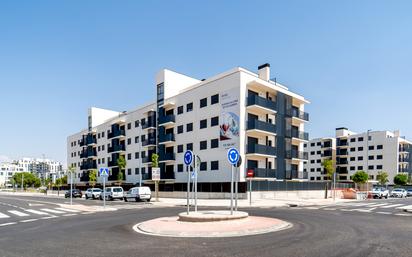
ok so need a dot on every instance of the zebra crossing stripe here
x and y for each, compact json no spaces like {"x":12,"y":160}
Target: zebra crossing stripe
{"x":53,"y":211}
{"x":377,"y":205}
{"x":2,"y":216}
{"x":36,"y":212}
{"x":391,"y":206}
{"x":18,"y":213}
{"x":66,"y":210}
{"x":405,"y":207}
{"x":6,"y":224}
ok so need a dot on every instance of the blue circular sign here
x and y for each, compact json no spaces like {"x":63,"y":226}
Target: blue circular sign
{"x":233,"y":156}
{"x":188,"y":157}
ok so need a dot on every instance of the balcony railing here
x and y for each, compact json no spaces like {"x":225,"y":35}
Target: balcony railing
{"x":112,"y":163}
{"x":149,"y":141}
{"x":263,"y":173}
{"x":341,"y":152}
{"x":114,"y":176}
{"x":167,"y":157}
{"x":88,"y":153}
{"x":166,"y":138}
{"x":260,"y":101}
{"x":150,"y":123}
{"x":116,"y":133}
{"x":291,"y":174}
{"x":403,"y":159}
{"x":261,"y":149}
{"x":88,"y":140}
{"x":293,"y":154}
{"x":297,"y":134}
{"x":88,"y":165}
{"x":342,"y":162}
{"x":403,"y":148}
{"x":166,"y":119}
{"x":116,"y":148}
{"x":298,"y":114}
{"x":261,"y":125}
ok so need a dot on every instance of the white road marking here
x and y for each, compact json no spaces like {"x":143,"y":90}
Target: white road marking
{"x":391,"y":206}
{"x":24,"y":221}
{"x":2,"y":216}
{"x":53,"y":211}
{"x":70,"y":214}
{"x":49,"y":217}
{"x":403,"y":214}
{"x":6,"y":224}
{"x":312,"y":208}
{"x":405,"y":207}
{"x":18,"y":213}
{"x":329,"y":209}
{"x":384,"y":212}
{"x":37,"y":212}
{"x":377,"y":205}
{"x":88,"y":212}
{"x":67,"y":210}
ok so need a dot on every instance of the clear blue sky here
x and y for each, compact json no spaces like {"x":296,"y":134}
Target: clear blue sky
{"x":351,"y":59}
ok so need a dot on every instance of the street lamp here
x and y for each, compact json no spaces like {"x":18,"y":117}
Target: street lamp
{"x":367,"y":161}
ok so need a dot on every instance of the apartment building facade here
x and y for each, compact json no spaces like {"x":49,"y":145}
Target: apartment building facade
{"x":319,"y":150}
{"x":43,"y":168}
{"x":7,"y":170}
{"x":237,"y":108}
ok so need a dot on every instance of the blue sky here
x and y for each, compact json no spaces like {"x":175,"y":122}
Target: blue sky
{"x":351,"y":59}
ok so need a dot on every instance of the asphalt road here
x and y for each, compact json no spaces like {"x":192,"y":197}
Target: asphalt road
{"x":372,"y":229}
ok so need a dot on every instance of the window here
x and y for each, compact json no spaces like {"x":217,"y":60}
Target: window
{"x":129,"y":141}
{"x":214,"y":165}
{"x":319,"y":144}
{"x":379,"y":147}
{"x":352,"y":168}
{"x":352,"y":159}
{"x":98,"y":135}
{"x":214,"y":121}
{"x":102,"y":147}
{"x":180,"y":129}
{"x":318,"y":161}
{"x":203,"y":166}
{"x":305,"y":145}
{"x":180,"y":168}
{"x":136,"y":171}
{"x":180,"y":148}
{"x":370,"y":167}
{"x":203,"y":145}
{"x":129,"y":156}
{"x":189,"y":107}
{"x":203,"y":102}
{"x":214,"y":143}
{"x":360,"y":158}
{"x":379,"y":167}
{"x":312,"y":161}
{"x":136,"y":124}
{"x":180,"y":110}
{"x":371,"y":157}
{"x":360,"y":148}
{"x":360,"y":167}
{"x":143,"y":169}
{"x":353,"y":149}
{"x":189,"y":127}
{"x":203,"y":124}
{"x":360,"y":139}
{"x":353,"y":140}
{"x":98,"y":161}
{"x":312,"y":153}
{"x":312,"y":170}
{"x":379,"y":157}
{"x":136,"y":155}
{"x":319,"y":169}
{"x":129,"y":126}
{"x":189,"y":146}
{"x":312,"y":144}
{"x":129,"y":171}
{"x":103,"y":134}
{"x":318,"y":152}
{"x":371,"y":147}
{"x":136,"y":140}
{"x":214,"y":99}
{"x":103,"y":160}
{"x":369,"y":138}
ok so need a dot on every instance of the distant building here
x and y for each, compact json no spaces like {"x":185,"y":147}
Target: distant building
{"x":42,"y":168}
{"x":318,"y":150}
{"x":7,"y":170}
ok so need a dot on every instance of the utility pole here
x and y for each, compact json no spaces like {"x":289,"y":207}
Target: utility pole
{"x":367,"y":162}
{"x":22,"y":181}
{"x":140,"y":157}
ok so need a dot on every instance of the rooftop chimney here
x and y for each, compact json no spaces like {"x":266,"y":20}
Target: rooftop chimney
{"x":264,"y":71}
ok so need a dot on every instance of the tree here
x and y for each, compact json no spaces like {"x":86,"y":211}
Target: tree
{"x":92,"y":177}
{"x":328,"y":166}
{"x":121,"y":163}
{"x":27,"y":178}
{"x":401,"y":179}
{"x":382,"y":177}
{"x":58,"y":183}
{"x":360,"y":177}
{"x":155,"y":160}
{"x":64,"y":180}
{"x":47,"y":182}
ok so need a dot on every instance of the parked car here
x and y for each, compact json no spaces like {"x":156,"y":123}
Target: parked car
{"x":112,"y":193}
{"x":93,"y":193}
{"x":74,"y":192}
{"x":398,"y":192}
{"x":380,"y":192}
{"x":138,"y":194}
{"x":409,"y":192}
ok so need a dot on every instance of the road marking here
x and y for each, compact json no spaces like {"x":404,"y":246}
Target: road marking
{"x":53,"y":211}
{"x":18,"y":213}
{"x":312,"y":208}
{"x":70,"y":214}
{"x":67,"y":210}
{"x":87,"y":212}
{"x":405,"y":207}
{"x":391,"y":206}
{"x":377,"y":205}
{"x":403,"y":214}
{"x":37,"y":212}
{"x":2,"y":216}
{"x":346,"y":210}
{"x":384,"y":212}
{"x":49,"y":217}
{"x":365,"y":210}
{"x":6,"y":224}
{"x":24,"y":221}
{"x":329,"y":209}
{"x":35,"y":204}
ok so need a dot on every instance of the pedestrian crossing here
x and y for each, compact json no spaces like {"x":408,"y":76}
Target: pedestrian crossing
{"x":386,"y":208}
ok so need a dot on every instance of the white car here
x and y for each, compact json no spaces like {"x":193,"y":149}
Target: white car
{"x":112,"y":193}
{"x":93,"y":193}
{"x":138,"y":194}
{"x":399,"y":192}
{"x":380,"y":192}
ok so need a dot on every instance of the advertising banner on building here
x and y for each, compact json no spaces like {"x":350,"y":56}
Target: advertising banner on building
{"x":229,"y":118}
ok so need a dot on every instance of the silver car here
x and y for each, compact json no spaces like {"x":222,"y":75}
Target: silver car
{"x":93,"y":193}
{"x":138,"y":194}
{"x":398,"y":192}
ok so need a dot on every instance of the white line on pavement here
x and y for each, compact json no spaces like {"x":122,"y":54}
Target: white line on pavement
{"x":67,"y":210}
{"x":405,"y":207}
{"x":18,"y":213}
{"x":403,"y":214}
{"x":391,"y":206}
{"x":37,"y":212}
{"x":24,"y":221}
{"x":70,"y":214}
{"x":3,"y":216}
{"x":52,"y":211}
{"x":49,"y":217}
{"x":6,"y":224}
{"x":384,"y":212}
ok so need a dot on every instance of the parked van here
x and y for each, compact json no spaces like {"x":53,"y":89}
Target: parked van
{"x":112,"y":193}
{"x":138,"y":194}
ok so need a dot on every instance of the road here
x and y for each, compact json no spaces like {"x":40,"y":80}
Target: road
{"x":372,"y":228}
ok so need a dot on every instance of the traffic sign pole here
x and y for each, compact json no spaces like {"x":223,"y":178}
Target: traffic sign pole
{"x":236,"y":187}
{"x":104,"y":191}
{"x":195,"y":162}
{"x":231,"y":193}
{"x":250,"y":191}
{"x":188,"y":189}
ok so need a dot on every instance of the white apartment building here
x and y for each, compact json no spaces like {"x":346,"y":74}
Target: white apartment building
{"x":41,"y":167}
{"x":7,"y":170}
{"x":236,"y":108}
{"x":318,"y":150}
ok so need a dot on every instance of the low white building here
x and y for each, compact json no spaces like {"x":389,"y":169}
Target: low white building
{"x":236,"y":108}
{"x":42,"y":168}
{"x":318,"y":150}
{"x":7,"y":170}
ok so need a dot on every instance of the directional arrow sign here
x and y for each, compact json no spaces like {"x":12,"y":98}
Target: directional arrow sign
{"x":233,"y":156}
{"x":188,"y":157}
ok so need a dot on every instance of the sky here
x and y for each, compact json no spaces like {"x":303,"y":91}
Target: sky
{"x":351,"y":59}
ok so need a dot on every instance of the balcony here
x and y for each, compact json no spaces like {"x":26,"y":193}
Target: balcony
{"x":341,"y":143}
{"x":88,"y":165}
{"x":112,"y":163}
{"x":342,"y":152}
{"x":294,"y":113}
{"x":261,"y":103}
{"x":88,"y":153}
{"x":116,"y":148}
{"x":164,"y":157}
{"x":298,"y":134}
{"x":291,"y":174}
{"x":261,"y":150}
{"x":167,"y":175}
{"x":147,"y":159}
{"x":147,"y":176}
{"x":113,"y":177}
{"x":261,"y":126}
{"x":293,"y":154}
{"x":84,"y":177}
{"x":88,"y":139}
{"x":263,"y":173}
{"x":166,"y":138}
{"x":150,"y":123}
{"x":403,"y":159}
{"x":117,"y":133}
{"x":151,"y":141}
{"x":404,"y":148}
{"x":167,"y":119}
{"x":342,"y":162}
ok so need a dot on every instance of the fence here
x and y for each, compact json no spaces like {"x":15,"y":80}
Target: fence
{"x":294,"y":185}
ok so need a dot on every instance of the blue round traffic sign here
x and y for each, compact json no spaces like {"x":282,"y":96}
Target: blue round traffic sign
{"x":233,"y":156}
{"x":188,"y":157}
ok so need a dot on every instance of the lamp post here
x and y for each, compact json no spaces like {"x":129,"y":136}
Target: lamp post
{"x":367,"y":161}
